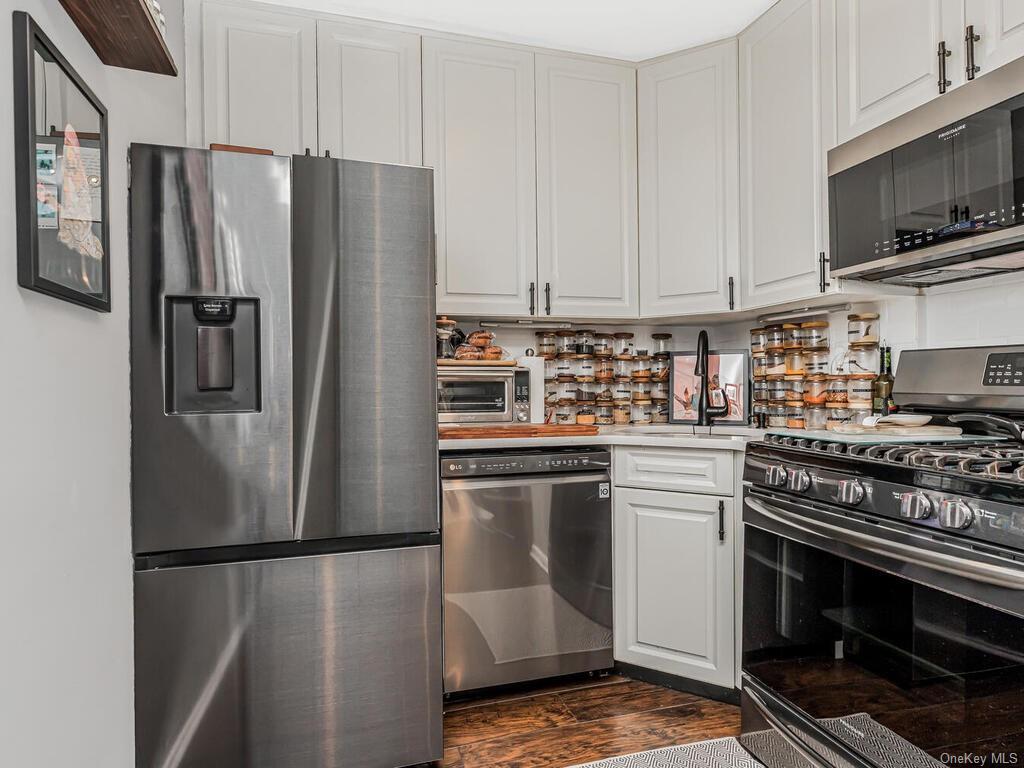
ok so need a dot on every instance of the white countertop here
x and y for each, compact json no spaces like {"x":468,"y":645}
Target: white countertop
{"x":660,"y":436}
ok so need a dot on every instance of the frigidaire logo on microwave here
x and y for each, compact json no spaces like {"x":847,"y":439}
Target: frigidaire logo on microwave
{"x":952,"y":132}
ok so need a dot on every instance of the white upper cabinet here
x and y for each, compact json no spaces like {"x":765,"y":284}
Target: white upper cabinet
{"x":586,"y":187}
{"x":783,"y":114}
{"x":999,"y":25}
{"x":689,"y":181}
{"x":887,"y":57}
{"x":259,"y":78}
{"x":478,"y":136}
{"x":369,"y":93}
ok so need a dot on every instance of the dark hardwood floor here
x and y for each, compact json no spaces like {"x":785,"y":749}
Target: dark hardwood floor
{"x":554,"y":726}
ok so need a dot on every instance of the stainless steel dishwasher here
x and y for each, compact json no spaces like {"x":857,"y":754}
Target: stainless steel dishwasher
{"x":527,"y":561}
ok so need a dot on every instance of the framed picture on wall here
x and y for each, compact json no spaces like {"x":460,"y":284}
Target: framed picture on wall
{"x":729,"y":384}
{"x":60,"y":133}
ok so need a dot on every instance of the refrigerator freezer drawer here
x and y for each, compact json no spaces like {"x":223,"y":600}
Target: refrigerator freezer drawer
{"x":307,"y":661}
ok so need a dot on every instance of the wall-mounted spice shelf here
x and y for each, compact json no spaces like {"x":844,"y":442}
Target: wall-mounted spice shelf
{"x":123,"y":33}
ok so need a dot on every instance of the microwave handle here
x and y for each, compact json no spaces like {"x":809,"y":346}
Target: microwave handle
{"x":985,"y":573}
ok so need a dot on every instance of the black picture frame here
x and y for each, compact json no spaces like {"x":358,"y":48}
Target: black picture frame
{"x":28,"y":38}
{"x":740,"y":356}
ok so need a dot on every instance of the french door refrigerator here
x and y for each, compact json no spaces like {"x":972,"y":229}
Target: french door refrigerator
{"x":284,"y":462}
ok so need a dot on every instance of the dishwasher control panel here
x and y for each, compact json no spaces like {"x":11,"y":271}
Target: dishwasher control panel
{"x":524,"y":463}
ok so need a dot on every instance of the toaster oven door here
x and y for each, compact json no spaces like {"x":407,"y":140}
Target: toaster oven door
{"x":471,"y":397}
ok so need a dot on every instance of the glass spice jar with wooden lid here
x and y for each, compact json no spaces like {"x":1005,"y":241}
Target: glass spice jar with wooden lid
{"x":547,"y":344}
{"x":584,"y":342}
{"x":566,"y":342}
{"x":793,"y":337}
{"x":642,"y":368}
{"x":659,"y":366}
{"x":624,"y":345}
{"x":662,"y":343}
{"x":862,"y":328}
{"x":758,"y":340}
{"x":775,"y":338}
{"x":604,"y":368}
{"x":815,"y":334}
{"x":604,"y":344}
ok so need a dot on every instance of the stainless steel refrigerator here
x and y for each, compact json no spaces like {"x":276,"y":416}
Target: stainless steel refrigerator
{"x":284,"y":462}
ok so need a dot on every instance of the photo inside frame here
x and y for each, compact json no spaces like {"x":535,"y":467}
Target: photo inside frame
{"x":727,"y":375}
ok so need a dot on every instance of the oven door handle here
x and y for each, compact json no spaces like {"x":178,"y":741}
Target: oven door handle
{"x":783,"y":730}
{"x":987,"y":573}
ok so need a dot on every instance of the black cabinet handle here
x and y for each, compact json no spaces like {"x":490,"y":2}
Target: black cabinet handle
{"x":721,"y":520}
{"x":970,"y":38}
{"x":943,"y":54}
{"x":823,"y":282}
{"x":547,"y":298}
{"x":533,"y":298}
{"x":732,"y":292}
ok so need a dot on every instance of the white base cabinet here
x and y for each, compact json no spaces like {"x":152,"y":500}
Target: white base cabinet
{"x":674,"y":584}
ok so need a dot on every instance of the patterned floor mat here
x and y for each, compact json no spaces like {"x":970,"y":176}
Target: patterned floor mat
{"x":718,"y":753}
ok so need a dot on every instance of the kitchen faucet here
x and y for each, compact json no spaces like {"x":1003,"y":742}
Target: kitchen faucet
{"x":705,"y":411}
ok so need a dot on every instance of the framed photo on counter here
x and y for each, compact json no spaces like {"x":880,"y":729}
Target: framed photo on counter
{"x":729,"y":378}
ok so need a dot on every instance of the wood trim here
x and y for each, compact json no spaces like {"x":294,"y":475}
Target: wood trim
{"x":236,"y":148}
{"x":123,"y":33}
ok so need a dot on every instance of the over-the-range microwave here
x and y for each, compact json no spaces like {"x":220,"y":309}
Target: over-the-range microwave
{"x":936,"y":195}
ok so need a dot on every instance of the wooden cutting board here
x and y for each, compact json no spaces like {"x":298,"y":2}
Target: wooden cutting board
{"x":442,"y":363}
{"x":457,"y":432}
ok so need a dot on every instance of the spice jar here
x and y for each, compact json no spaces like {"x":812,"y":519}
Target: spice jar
{"x":604,"y":368}
{"x":584,"y":342}
{"x":794,"y":388}
{"x":794,"y":362}
{"x":551,"y":396}
{"x":586,"y":393}
{"x":623,"y":344}
{"x":774,"y":338}
{"x":565,"y":366}
{"x":836,"y":415}
{"x":567,"y":392}
{"x":758,"y":340}
{"x":659,"y":391}
{"x":759,"y":365}
{"x":815,"y":389}
{"x":641,"y":367}
{"x":836,"y":392}
{"x":659,"y":367}
{"x":566,"y":342}
{"x":776,"y":387}
{"x":816,"y":362}
{"x":565,"y":414}
{"x":605,"y":414}
{"x":605,"y":392}
{"x":858,"y":388}
{"x":761,"y":391}
{"x":777,"y":415}
{"x":550,"y":369}
{"x":775,"y":365}
{"x":792,"y":336}
{"x":815,"y":418}
{"x":623,"y":367}
{"x":584,"y":368}
{"x":794,"y":415}
{"x":862,"y":358}
{"x":859,"y":413}
{"x":815,"y":334}
{"x":621,"y":413}
{"x":623,"y":391}
{"x":547,"y":344}
{"x":586,"y":414}
{"x":604,"y":344}
{"x":662,"y":343}
{"x":641,"y":390}
{"x":862,"y":328}
{"x":659,"y":414}
{"x":641,"y":413}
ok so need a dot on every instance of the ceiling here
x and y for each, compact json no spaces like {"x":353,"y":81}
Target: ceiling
{"x":622,"y":29}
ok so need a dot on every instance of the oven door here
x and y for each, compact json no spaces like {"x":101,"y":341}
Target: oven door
{"x":868,"y":644}
{"x":469,"y":396}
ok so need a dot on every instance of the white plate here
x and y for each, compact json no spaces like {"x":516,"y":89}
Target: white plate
{"x":898,"y":420}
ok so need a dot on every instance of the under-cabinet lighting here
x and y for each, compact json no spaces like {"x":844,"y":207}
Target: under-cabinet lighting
{"x":533,"y":324}
{"x":782,"y":317}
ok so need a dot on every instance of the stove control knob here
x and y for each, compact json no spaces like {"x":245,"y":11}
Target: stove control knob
{"x":776,"y":475}
{"x":799,"y":480}
{"x":955,"y":514}
{"x":915,"y":506}
{"x":851,"y":492}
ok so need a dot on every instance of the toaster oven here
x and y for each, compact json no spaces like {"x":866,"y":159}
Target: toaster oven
{"x":476,"y":394}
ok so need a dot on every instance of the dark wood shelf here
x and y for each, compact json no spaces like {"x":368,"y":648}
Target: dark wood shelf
{"x":123,"y":34}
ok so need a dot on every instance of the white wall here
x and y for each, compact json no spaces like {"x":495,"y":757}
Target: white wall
{"x":972,"y":313}
{"x":65,"y":567}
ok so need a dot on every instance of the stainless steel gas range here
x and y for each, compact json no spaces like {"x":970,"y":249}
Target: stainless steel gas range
{"x":883,"y":604}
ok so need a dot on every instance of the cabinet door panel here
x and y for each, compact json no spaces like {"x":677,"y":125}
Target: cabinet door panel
{"x":674,"y":599}
{"x":781,"y":157}
{"x":887,"y":61}
{"x":369,"y":93}
{"x":689,"y":186}
{"x":259,"y":78}
{"x":586,"y":186}
{"x":478,"y":104}
{"x":1000,"y":25}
